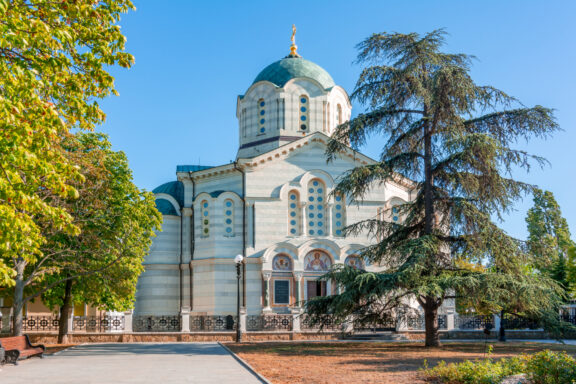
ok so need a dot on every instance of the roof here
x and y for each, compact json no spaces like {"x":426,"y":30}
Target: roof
{"x":165,"y":207}
{"x":282,"y":71}
{"x":192,"y":168}
{"x":172,"y":188}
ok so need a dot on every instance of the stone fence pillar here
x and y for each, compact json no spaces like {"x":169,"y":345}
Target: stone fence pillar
{"x":296,"y":314}
{"x":128,"y":316}
{"x":5,"y":317}
{"x":450,"y":319}
{"x":70,"y":321}
{"x":185,"y":319}
{"x":242,"y":320}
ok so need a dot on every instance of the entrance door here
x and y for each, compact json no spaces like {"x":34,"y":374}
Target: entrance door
{"x":316,"y":288}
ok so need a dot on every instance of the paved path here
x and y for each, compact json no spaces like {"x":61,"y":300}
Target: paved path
{"x":140,"y":363}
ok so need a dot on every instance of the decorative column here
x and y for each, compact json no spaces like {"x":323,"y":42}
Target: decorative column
{"x":267,"y":276}
{"x":296,"y":314}
{"x":330,"y":206}
{"x":298,"y":288}
{"x":186,"y":257}
{"x":185,"y":319}
{"x":450,"y":307}
{"x":249,"y":226}
{"x":128,"y":315}
{"x":71,"y":321}
{"x":303,"y":217}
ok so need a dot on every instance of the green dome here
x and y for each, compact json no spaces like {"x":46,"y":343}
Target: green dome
{"x":165,"y":207}
{"x":172,"y":188}
{"x":282,"y":71}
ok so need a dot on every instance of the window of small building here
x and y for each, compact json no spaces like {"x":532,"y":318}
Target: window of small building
{"x":205,"y":218}
{"x":316,"y":208}
{"x":261,"y":116}
{"x":339,"y":215}
{"x":294,"y":218}
{"x":79,"y":310}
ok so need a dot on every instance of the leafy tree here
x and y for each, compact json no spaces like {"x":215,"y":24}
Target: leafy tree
{"x":549,"y":238}
{"x":117,"y":221}
{"x":52,"y":69}
{"x":453,"y":138}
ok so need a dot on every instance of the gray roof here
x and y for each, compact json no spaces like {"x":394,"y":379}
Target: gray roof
{"x":165,"y":207}
{"x":192,"y":168}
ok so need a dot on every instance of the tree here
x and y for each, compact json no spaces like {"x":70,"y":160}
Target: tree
{"x":549,"y":239}
{"x":453,"y":138}
{"x":52,"y":69}
{"x":117,"y":221}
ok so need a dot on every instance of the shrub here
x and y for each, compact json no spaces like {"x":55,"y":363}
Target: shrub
{"x":549,"y":367}
{"x":545,"y":367}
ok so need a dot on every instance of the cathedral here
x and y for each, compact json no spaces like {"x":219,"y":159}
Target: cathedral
{"x":273,"y":205}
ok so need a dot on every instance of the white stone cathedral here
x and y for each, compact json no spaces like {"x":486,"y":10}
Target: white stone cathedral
{"x":272,"y":205}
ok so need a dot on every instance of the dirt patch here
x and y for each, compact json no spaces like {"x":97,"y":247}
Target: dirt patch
{"x":398,"y":363}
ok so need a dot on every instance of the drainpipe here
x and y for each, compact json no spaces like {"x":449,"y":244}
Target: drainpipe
{"x":243,"y":232}
{"x":180,"y":298}
{"x":192,"y":242}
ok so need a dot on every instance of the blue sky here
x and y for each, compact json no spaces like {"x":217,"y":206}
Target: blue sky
{"x":177,"y":104}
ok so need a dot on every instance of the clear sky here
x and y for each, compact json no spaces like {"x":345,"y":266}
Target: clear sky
{"x":177,"y":104}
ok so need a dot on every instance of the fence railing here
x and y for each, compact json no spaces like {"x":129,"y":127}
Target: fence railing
{"x":98,"y":323}
{"x":473,"y":322}
{"x":213,"y":323}
{"x":327,"y":323}
{"x":156,"y":323}
{"x":269,"y":322}
{"x":40,"y":323}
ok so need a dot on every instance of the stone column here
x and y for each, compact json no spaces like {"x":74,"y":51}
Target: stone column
{"x":249,"y":225}
{"x":5,"y":319}
{"x":186,"y":255}
{"x":303,"y":217}
{"x":496,"y":320}
{"x":267,"y":276}
{"x":128,"y":316}
{"x":450,"y":320}
{"x":71,"y":321}
{"x":298,"y":288}
{"x":329,"y":219}
{"x":185,"y":319}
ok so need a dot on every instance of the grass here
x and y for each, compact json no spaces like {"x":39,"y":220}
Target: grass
{"x":399,"y":363}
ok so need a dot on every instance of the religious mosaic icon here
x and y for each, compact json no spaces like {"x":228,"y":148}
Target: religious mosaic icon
{"x":354,"y":262}
{"x":281,"y":263}
{"x":317,"y":261}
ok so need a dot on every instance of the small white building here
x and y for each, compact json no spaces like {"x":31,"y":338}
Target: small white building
{"x":272,"y":205}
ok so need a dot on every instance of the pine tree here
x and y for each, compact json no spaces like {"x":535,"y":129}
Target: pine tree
{"x":454,"y":139}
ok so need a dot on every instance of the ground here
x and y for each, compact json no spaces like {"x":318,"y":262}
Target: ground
{"x":53,"y":348}
{"x":398,"y":363}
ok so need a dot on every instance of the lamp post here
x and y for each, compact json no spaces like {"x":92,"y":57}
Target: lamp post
{"x":238,"y":260}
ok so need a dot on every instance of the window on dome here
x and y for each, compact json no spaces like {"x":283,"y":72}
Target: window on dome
{"x":228,"y":218}
{"x":339,"y":215}
{"x":205,"y":218}
{"x":294,"y":218}
{"x":261,"y":116}
{"x":339,"y":114}
{"x":316,"y":208}
{"x":328,"y":116}
{"x":304,"y":112}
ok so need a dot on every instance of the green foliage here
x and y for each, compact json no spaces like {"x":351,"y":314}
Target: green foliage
{"x":545,"y":367}
{"x":53,"y":61}
{"x":117,"y":222}
{"x":453,"y":139}
{"x":549,"y":239}
{"x":549,"y":367}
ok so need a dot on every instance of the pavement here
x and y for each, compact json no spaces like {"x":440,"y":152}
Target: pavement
{"x":140,"y":363}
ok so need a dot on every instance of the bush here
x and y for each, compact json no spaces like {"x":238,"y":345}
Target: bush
{"x":549,"y":367}
{"x":544,"y":367}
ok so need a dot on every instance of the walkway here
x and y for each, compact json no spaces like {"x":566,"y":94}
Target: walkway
{"x":132,"y":363}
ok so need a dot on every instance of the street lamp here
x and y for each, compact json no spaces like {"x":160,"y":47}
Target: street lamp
{"x":238,"y":260}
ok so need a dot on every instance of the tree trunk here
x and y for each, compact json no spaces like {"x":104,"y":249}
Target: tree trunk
{"x":18,"y":306}
{"x":431,"y":322}
{"x":502,"y":335}
{"x":65,"y":311}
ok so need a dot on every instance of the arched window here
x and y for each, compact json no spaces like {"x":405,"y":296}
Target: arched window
{"x":205,"y":217}
{"x":261,"y":116}
{"x":304,"y":113}
{"x":339,"y":114}
{"x":338,"y":215}
{"x":316,"y":208}
{"x":228,"y":218}
{"x":294,"y":218}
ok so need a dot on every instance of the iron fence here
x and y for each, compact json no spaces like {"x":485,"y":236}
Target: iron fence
{"x":569,"y":319}
{"x":106,"y":323}
{"x":269,"y":323}
{"x":474,"y":321}
{"x":383,"y":325}
{"x":419,"y":322}
{"x":325,"y":323}
{"x":213,"y":323}
{"x":40,"y":323}
{"x":156,"y":323}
